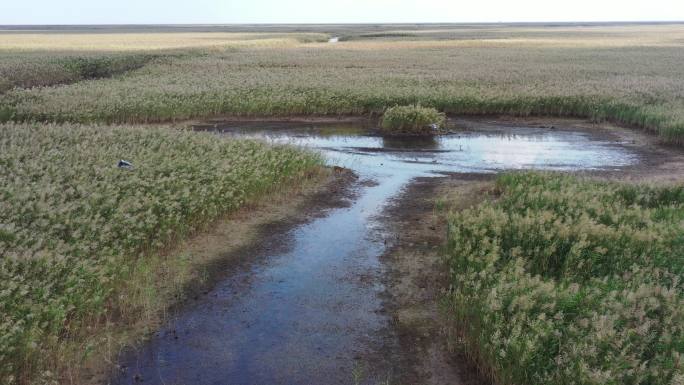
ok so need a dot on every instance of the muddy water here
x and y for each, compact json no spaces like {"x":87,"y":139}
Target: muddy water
{"x":313,"y":313}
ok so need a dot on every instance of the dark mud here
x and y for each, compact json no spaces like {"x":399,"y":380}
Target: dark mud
{"x":417,"y":279}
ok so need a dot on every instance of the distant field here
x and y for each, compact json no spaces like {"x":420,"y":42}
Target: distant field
{"x":52,"y":58}
{"x":629,"y":74}
{"x":113,"y":42}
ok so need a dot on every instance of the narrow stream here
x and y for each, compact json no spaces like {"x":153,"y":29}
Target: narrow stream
{"x":314,"y":314}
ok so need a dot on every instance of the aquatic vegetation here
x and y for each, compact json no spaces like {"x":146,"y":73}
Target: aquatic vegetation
{"x":74,"y":225}
{"x":413,"y":120}
{"x":561,"y":280}
{"x":624,"y":74}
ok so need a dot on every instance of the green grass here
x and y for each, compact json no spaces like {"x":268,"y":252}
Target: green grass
{"x":84,"y":67}
{"x":412,"y":120}
{"x":35,"y":70}
{"x":74,"y":227}
{"x":624,"y":74}
{"x":561,"y":280}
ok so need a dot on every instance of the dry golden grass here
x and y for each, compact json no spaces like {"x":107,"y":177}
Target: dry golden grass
{"x":108,"y":42}
{"x":578,"y":36}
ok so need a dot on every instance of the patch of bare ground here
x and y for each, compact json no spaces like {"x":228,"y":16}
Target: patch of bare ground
{"x":659,"y":163}
{"x":417,"y":278}
{"x":189,"y":269}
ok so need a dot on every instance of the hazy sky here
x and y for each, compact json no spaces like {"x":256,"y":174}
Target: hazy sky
{"x":342,"y":11}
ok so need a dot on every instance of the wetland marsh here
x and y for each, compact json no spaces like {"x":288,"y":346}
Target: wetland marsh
{"x":227,"y":122}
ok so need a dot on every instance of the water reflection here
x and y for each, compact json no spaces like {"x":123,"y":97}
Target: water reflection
{"x":410,"y":143}
{"x":363,"y":150}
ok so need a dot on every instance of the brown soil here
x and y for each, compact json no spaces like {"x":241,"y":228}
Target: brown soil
{"x":417,"y":280}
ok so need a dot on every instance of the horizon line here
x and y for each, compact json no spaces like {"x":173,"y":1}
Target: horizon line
{"x":350,"y":23}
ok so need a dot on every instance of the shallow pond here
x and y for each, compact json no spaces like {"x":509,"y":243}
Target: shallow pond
{"x":488,"y":149}
{"x":313,"y":314}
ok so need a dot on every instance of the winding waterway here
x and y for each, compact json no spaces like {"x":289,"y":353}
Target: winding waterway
{"x":313,"y":314}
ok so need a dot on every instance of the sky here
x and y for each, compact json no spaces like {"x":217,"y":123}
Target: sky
{"x":342,"y":11}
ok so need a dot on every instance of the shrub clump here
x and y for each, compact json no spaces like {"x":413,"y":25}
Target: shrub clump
{"x":567,"y":281}
{"x":413,"y":119}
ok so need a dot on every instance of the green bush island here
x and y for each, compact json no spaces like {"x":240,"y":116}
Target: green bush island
{"x":412,"y":119}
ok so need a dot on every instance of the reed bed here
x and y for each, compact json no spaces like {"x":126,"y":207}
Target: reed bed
{"x":47,"y":59}
{"x":625,"y":74}
{"x":28,"y":71}
{"x":561,"y":280}
{"x":74,"y":226}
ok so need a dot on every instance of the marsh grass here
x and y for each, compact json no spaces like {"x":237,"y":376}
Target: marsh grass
{"x":46,"y":59}
{"x":412,"y":120}
{"x":624,"y":74}
{"x":73,"y":226}
{"x":561,"y":280}
{"x":28,"y":71}
{"x":84,"y":67}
